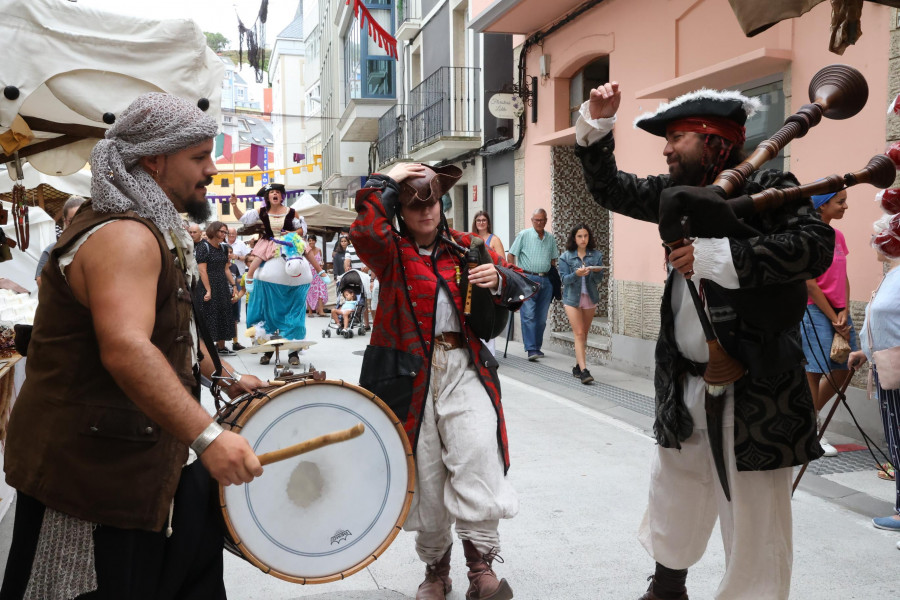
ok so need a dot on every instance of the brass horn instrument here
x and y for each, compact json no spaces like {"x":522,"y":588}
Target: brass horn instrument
{"x":835,"y":92}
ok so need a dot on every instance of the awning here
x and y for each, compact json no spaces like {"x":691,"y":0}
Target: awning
{"x":755,"y":16}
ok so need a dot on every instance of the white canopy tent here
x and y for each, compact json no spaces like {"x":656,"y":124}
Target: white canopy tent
{"x":70,"y":70}
{"x":70,"y":64}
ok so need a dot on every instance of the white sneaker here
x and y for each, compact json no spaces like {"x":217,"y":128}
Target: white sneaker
{"x":828,"y":448}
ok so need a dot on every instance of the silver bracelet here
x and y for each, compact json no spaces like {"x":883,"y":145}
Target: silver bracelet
{"x":206,"y":438}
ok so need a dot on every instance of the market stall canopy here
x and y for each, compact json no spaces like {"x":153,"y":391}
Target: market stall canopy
{"x":325,"y":215}
{"x":77,"y":183}
{"x":304,"y":200}
{"x":71,"y":69}
{"x":755,"y":17}
{"x":43,"y":232}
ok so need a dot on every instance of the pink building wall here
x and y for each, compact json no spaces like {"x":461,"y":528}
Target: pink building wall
{"x":676,"y":38}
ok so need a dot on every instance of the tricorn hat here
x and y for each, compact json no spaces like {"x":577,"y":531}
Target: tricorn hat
{"x":704,"y":103}
{"x":429,"y":188}
{"x":264,"y":190}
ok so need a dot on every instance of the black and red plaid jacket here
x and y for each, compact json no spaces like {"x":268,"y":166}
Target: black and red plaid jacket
{"x":401,"y":270}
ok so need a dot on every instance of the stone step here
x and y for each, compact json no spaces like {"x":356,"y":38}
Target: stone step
{"x":600,"y":342}
{"x":600,"y":326}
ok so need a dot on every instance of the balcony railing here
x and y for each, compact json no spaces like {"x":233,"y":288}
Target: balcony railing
{"x":446,"y":104}
{"x":392,"y":134}
{"x":408,"y":10}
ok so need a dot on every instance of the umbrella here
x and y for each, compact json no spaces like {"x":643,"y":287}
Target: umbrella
{"x":755,"y":17}
{"x":71,"y":69}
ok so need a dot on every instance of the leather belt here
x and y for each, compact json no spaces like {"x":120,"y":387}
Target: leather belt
{"x":449,"y":340}
{"x":533,"y":273}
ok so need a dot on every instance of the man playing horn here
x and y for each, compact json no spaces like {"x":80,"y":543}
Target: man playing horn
{"x":749,"y":275}
{"x":109,"y":503}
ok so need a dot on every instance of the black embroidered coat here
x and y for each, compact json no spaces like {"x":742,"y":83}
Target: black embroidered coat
{"x":775,"y":423}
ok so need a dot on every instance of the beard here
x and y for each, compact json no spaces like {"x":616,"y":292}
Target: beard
{"x":198,"y":211}
{"x":690,"y":173}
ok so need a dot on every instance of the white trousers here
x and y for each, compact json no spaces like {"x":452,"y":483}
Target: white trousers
{"x":686,"y":498}
{"x":459,"y":465}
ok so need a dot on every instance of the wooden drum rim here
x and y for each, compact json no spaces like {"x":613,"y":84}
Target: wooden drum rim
{"x":398,"y":525}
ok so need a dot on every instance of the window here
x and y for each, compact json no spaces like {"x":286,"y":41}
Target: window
{"x":767,"y":120}
{"x":591,"y":76}
{"x":368,"y":70}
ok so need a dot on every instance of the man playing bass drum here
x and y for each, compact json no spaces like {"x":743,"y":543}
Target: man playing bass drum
{"x":751,"y":277}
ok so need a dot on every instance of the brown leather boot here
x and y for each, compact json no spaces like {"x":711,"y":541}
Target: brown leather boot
{"x":483,"y":583}
{"x":650,"y":595}
{"x":437,"y":582}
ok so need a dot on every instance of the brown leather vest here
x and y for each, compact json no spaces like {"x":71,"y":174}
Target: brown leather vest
{"x":76,"y":442}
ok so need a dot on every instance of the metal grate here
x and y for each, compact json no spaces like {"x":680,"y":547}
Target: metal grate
{"x":844,"y":462}
{"x":639,"y":403}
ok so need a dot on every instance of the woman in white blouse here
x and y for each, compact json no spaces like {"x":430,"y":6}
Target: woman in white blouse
{"x":880,"y":331}
{"x":275,"y":217}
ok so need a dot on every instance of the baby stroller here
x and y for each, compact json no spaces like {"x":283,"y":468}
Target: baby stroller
{"x":358,"y":282}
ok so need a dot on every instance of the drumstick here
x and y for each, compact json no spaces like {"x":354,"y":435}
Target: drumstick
{"x":313,"y":444}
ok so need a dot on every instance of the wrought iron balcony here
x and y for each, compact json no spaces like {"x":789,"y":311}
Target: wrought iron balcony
{"x":392,"y":134}
{"x":445,"y":105}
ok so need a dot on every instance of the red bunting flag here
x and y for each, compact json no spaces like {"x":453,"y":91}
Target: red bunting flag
{"x":376,"y":31}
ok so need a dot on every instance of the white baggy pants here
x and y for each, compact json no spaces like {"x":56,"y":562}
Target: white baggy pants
{"x":459,"y":465}
{"x":686,"y":498}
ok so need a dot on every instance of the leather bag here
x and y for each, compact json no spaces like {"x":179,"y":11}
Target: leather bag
{"x":887,"y":361}
{"x":840,"y":348}
{"x":887,"y":365}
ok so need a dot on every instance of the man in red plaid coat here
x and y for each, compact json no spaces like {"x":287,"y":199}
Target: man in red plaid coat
{"x":431,"y":368}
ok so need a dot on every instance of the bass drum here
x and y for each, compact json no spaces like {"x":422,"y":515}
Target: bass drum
{"x":321,"y":516}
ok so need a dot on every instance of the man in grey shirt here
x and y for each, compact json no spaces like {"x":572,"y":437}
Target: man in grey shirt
{"x":69,"y":209}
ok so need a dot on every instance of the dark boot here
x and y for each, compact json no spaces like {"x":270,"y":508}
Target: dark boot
{"x":483,"y":583}
{"x":667,"y":584}
{"x":437,"y":582}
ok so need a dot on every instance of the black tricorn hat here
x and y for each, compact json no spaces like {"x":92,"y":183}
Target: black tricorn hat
{"x":264,"y":190}
{"x":431,"y":187}
{"x":726,"y":104}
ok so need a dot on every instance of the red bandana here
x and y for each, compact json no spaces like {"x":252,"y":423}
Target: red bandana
{"x":720,"y":126}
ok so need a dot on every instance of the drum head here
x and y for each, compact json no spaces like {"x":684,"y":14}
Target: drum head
{"x":324,"y":515}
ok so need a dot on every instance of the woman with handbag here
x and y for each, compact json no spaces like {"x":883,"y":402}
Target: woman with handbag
{"x":427,"y":362}
{"x":880,"y":340}
{"x":828,"y":335}
{"x":581,"y":270}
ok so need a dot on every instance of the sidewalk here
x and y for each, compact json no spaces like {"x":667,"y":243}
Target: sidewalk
{"x":580,"y":464}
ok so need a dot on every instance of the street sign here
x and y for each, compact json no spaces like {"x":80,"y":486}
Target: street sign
{"x":506,"y":106}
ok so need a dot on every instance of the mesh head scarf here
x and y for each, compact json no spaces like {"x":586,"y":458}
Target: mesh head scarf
{"x":153,"y":124}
